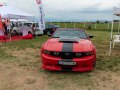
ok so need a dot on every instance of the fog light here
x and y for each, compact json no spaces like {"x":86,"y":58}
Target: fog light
{"x":46,"y":52}
{"x":78,"y":54}
{"x":89,"y":53}
{"x":56,"y":53}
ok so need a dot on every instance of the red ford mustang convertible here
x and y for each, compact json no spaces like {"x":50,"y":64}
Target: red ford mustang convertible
{"x":69,"y":50}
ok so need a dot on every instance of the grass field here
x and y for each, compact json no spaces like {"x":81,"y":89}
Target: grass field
{"x":20,"y":67}
{"x":99,"y":26}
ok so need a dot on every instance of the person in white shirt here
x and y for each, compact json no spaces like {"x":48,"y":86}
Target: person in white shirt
{"x":8,"y":27}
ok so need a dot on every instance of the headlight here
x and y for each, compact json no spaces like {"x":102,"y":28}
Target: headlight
{"x":88,"y":53}
{"x":56,"y":53}
{"x":46,"y":51}
{"x":78,"y":54}
{"x":82,"y":54}
{"x":51,"y":53}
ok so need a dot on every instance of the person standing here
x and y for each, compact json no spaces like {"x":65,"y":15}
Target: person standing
{"x":33,"y":28}
{"x":5,"y":28}
{"x":8,"y":26}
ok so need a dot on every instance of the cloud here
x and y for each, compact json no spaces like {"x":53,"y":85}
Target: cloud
{"x":75,"y":4}
{"x":80,"y":9}
{"x":69,"y":9}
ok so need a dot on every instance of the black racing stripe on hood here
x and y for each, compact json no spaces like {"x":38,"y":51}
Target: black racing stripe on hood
{"x":67,"y":48}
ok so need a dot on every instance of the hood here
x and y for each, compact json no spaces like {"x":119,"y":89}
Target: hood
{"x":69,"y":40}
{"x":77,"y":45}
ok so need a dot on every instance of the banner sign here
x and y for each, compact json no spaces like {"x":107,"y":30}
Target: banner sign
{"x":41,"y":15}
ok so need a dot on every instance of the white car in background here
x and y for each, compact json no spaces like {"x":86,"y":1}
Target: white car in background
{"x":18,"y":29}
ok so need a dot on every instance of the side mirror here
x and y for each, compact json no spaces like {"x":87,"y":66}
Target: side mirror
{"x":49,"y":34}
{"x":91,"y":36}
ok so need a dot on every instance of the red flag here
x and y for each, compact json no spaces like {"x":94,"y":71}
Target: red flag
{"x":38,"y":1}
{"x":1,"y":25}
{"x":41,"y":15}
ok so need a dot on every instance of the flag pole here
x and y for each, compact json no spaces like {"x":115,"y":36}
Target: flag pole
{"x":108,"y":25}
{"x":84,"y":24}
{"x":74,"y":25}
{"x":119,"y":28}
{"x":111,"y":36}
{"x":95,"y":25}
{"x":65,"y":25}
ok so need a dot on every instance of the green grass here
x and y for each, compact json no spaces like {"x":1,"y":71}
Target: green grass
{"x":35,"y":43}
{"x":101,"y":41}
{"x":61,"y":80}
{"x":99,"y":26}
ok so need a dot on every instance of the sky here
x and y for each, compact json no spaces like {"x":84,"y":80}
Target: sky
{"x":69,"y":10}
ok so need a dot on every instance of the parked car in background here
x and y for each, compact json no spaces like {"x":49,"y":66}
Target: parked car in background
{"x":18,"y":28}
{"x":50,"y":28}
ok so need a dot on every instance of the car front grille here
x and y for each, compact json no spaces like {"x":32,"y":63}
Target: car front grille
{"x":68,"y":55}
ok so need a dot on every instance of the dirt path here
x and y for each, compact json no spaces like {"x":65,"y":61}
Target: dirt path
{"x":13,"y":77}
{"x":23,"y":72}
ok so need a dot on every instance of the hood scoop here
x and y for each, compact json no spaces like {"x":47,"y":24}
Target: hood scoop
{"x":69,"y":39}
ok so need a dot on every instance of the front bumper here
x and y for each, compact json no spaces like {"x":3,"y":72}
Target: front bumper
{"x":82,"y":64}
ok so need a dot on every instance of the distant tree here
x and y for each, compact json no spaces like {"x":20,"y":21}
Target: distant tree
{"x":106,"y":21}
{"x":116,"y":20}
{"x":98,"y":21}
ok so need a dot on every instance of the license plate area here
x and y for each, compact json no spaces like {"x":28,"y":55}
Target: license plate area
{"x":67,"y":63}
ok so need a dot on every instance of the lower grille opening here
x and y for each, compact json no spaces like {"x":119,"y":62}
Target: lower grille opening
{"x":66,"y":68}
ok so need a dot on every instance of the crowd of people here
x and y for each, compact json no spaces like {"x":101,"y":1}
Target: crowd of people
{"x":8,"y":28}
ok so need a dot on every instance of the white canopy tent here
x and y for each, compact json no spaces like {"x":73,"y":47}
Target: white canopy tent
{"x":19,"y":20}
{"x":116,"y":12}
{"x":8,"y":11}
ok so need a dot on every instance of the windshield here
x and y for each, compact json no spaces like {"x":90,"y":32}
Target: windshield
{"x":28,"y":24}
{"x":70,"y":33}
